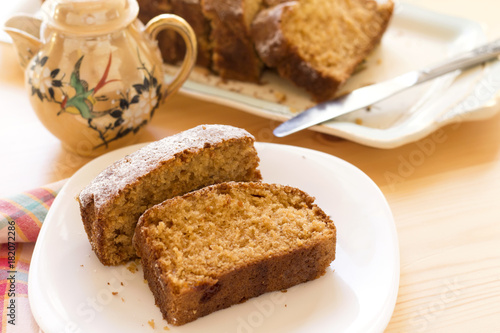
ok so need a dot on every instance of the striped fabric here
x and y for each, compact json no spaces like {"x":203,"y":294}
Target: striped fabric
{"x":21,"y":217}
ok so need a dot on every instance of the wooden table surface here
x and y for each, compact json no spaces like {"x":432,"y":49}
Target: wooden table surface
{"x":446,"y":207}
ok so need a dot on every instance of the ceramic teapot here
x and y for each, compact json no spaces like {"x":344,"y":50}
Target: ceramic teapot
{"x":93,"y":71}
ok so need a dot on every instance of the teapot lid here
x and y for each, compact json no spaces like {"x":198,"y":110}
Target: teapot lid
{"x":89,"y":17}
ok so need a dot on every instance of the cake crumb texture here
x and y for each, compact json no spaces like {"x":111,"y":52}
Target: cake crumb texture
{"x":318,"y":44}
{"x":226,"y":243}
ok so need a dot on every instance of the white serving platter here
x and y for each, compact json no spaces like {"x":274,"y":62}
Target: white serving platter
{"x":414,"y":39}
{"x":71,"y":291}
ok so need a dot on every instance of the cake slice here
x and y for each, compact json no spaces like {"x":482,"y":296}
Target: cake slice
{"x":233,"y":53}
{"x":223,"y":244}
{"x":112,"y":203}
{"x":318,"y":44}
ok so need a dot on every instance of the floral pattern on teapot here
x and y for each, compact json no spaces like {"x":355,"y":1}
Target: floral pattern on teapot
{"x":93,"y":70}
{"x":122,"y":116}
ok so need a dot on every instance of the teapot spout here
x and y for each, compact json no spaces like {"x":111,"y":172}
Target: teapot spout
{"x":25,"y":33}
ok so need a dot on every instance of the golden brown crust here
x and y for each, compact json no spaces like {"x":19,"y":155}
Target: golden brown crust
{"x":124,"y":190}
{"x":272,"y":274}
{"x":233,"y":53}
{"x":181,"y":303}
{"x":277,"y":51}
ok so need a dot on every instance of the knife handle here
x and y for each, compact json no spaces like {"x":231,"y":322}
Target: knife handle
{"x":464,"y":60}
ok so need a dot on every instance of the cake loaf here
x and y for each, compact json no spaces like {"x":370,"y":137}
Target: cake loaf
{"x":113,"y":202}
{"x":233,"y":52}
{"x":223,"y":244}
{"x":318,"y":44}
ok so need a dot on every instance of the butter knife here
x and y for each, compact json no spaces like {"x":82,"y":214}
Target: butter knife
{"x":368,"y":95}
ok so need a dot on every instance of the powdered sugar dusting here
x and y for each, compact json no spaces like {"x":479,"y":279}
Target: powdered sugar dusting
{"x":268,"y":35}
{"x":131,"y":168}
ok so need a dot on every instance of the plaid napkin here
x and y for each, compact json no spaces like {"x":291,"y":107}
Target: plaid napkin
{"x":21,"y":217}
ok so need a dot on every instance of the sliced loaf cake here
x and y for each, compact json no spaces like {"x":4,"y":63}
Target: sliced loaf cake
{"x":223,"y":244}
{"x":233,"y":52}
{"x":113,"y":202}
{"x":318,"y":44}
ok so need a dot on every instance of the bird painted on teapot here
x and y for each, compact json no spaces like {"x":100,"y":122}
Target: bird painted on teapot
{"x":93,"y":70}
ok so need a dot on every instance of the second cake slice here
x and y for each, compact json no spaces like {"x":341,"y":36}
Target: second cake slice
{"x":218,"y":246}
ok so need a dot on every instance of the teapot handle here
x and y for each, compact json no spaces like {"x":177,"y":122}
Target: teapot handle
{"x":179,"y":25}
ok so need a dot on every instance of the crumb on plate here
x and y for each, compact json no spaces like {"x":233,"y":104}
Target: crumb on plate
{"x":132,"y":267}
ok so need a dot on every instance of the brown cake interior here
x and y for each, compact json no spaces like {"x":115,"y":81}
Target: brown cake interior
{"x":341,"y":34}
{"x":189,"y":173}
{"x":201,"y":239}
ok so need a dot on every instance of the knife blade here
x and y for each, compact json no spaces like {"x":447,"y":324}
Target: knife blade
{"x":368,"y":95}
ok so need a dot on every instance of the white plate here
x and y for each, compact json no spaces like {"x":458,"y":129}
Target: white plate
{"x":69,"y":290}
{"x":415,"y":38}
